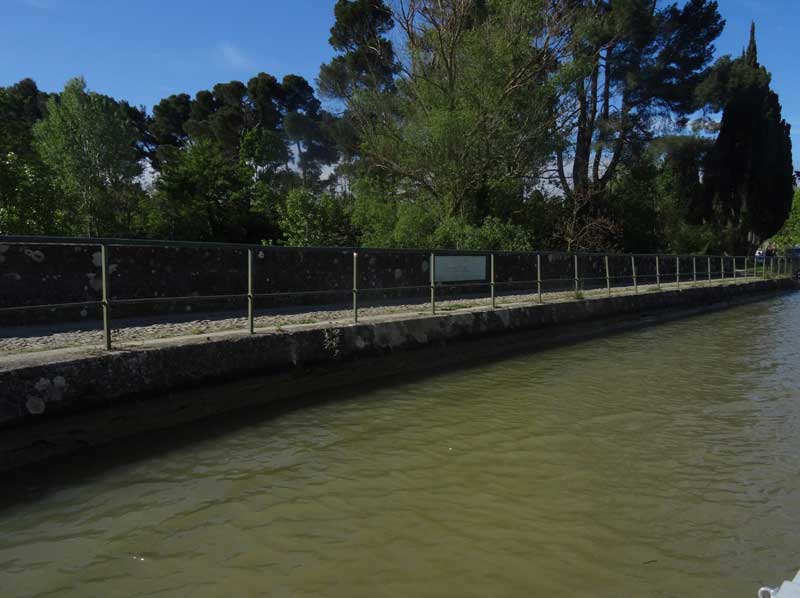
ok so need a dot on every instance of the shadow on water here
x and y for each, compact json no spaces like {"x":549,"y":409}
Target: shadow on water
{"x":36,"y":481}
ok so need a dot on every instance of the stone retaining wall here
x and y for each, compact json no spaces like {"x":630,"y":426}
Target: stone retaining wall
{"x":49,"y":388}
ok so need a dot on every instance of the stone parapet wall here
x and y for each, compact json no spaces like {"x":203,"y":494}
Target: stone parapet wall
{"x":172,"y":279}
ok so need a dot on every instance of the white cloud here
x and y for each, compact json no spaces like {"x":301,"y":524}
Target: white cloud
{"x":234,"y":58}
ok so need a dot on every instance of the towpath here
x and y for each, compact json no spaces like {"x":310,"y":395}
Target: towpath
{"x":19,"y":340}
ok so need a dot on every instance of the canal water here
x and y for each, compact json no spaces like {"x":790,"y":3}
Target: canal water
{"x":659,"y":462}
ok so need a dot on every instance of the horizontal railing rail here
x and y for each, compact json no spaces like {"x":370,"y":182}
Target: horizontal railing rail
{"x":569,"y":272}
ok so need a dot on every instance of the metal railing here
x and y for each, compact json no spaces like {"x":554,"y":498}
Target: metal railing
{"x":575,"y":274}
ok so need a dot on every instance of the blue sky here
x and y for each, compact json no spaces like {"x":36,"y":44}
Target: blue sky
{"x":144,"y":50}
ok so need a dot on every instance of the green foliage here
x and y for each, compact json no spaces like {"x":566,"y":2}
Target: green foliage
{"x":470,"y":120}
{"x":679,"y":188}
{"x":637,"y":205}
{"x":493,"y":233}
{"x":789,"y":235}
{"x":26,"y":206}
{"x":21,"y":106}
{"x":200,"y":195}
{"x":383,"y":222}
{"x":654,"y":196}
{"x":317,"y":220}
{"x":366,"y":58}
{"x":478,"y":124}
{"x":26,"y":190}
{"x":88,"y":143}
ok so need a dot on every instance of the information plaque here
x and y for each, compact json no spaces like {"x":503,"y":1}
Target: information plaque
{"x":460,"y":268}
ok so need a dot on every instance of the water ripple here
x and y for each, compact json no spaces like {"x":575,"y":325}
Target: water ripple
{"x":661,"y":462}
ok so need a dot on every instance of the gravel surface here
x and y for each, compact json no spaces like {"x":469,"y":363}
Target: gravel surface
{"x":43,"y":338}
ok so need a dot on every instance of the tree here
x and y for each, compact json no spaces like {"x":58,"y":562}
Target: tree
{"x":789,"y":235}
{"x":468,"y":128}
{"x":28,"y":201}
{"x":264,"y":145}
{"x":88,"y":143}
{"x":365,"y":62}
{"x":636,"y":66}
{"x":253,"y":128}
{"x":366,"y":57}
{"x":651,"y":197}
{"x":749,"y":173}
{"x":167,"y":124}
{"x":307,"y":127}
{"x":29,"y":205}
{"x":678,"y":187}
{"x":21,"y":106}
{"x":472,"y":124}
{"x":318,"y":220}
{"x":200,"y":195}
{"x":256,"y":123}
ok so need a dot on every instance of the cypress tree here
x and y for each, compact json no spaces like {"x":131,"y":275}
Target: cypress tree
{"x":748,"y":174}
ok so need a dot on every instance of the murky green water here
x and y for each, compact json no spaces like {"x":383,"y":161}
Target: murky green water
{"x":662,"y":462}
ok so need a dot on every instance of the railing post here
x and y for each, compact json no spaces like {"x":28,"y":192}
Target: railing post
{"x":658,"y":275}
{"x":722,"y":268}
{"x":734,"y":267}
{"x":608,"y":277}
{"x":694,"y":270}
{"x":709,"y":268}
{"x":633,"y":269}
{"x":105,"y":302}
{"x":577,"y":284}
{"x":746,"y":272}
{"x":678,"y":271}
{"x":494,"y":305}
{"x":539,"y":276}
{"x":764,"y":269}
{"x":355,"y":287}
{"x":433,"y":283}
{"x":250,"y":297}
